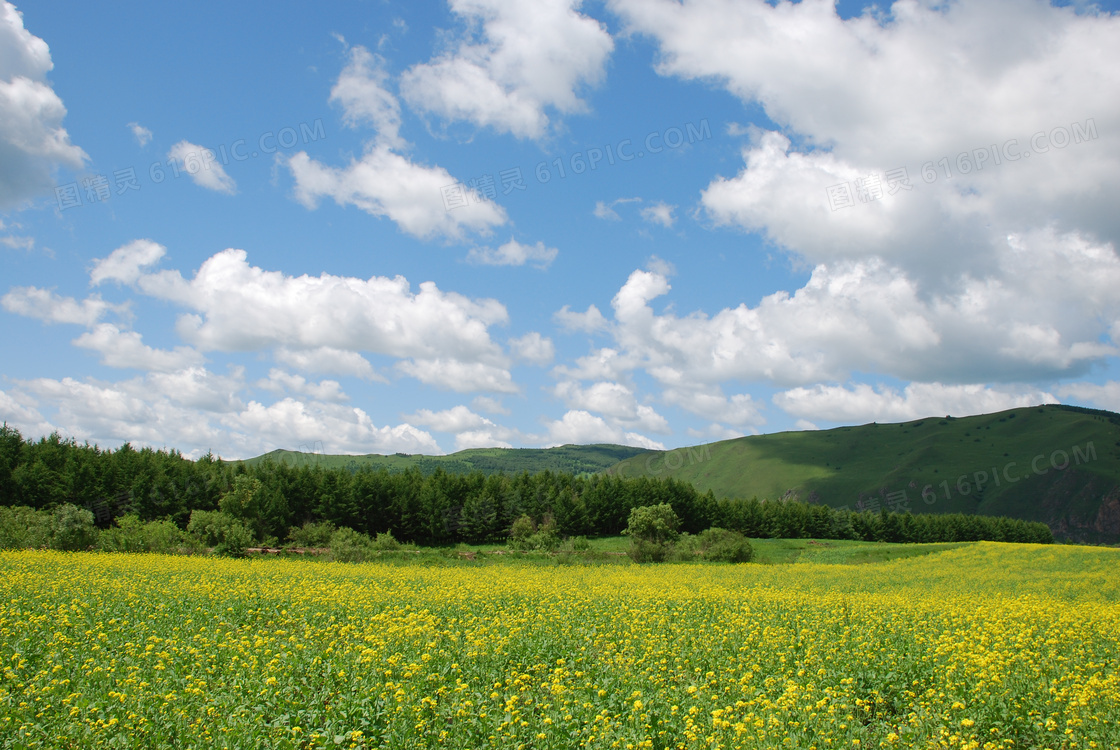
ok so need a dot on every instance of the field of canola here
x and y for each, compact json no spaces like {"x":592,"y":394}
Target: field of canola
{"x":986,"y":646}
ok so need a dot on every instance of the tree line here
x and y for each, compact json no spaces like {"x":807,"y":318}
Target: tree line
{"x":272,"y":500}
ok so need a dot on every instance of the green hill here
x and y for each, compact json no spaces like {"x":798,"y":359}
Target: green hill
{"x":1055,"y":464}
{"x":570,"y":459}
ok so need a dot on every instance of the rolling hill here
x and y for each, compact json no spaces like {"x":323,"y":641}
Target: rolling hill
{"x":1055,"y":464}
{"x":571,"y":459}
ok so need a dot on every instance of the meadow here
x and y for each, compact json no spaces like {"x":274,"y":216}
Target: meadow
{"x":982,"y":645}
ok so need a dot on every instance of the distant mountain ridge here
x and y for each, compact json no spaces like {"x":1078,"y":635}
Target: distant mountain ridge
{"x":571,"y":459}
{"x":1056,"y":464}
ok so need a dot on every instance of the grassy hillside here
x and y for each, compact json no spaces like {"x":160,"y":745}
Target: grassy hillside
{"x":980,"y":464}
{"x":572,"y":459}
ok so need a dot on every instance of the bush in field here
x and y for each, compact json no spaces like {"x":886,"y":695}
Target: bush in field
{"x":130,"y":534}
{"x":523,"y":528}
{"x":526,"y":535}
{"x":722,"y":545}
{"x":226,"y":534}
{"x":72,"y":528}
{"x":653,"y":530}
{"x":385,"y":542}
{"x":311,"y":535}
{"x":24,"y":528}
{"x":348,"y":545}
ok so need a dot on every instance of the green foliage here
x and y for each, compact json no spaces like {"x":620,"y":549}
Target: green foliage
{"x":72,"y":528}
{"x":24,"y":528}
{"x":385,"y":542}
{"x":130,"y":534}
{"x":723,"y":545}
{"x":645,"y":551}
{"x":311,"y":534}
{"x":224,"y":533}
{"x":520,"y":533}
{"x":657,"y":524}
{"x":348,"y":545}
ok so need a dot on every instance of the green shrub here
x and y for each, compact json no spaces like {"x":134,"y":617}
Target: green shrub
{"x":348,"y":545}
{"x":24,"y":528}
{"x":221,"y":531}
{"x":72,"y":528}
{"x":723,"y":545}
{"x":642,"y":551}
{"x":654,"y":523}
{"x":385,"y":542}
{"x":519,"y":534}
{"x":130,"y":534}
{"x":311,"y":535}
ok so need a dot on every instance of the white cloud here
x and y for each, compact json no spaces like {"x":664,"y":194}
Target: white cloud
{"x":125,"y":264}
{"x":361,"y":92}
{"x":489,"y":405}
{"x":32,"y":140}
{"x":1103,"y":396}
{"x":461,"y":377}
{"x":142,"y":135}
{"x":516,"y":61}
{"x":513,"y":253}
{"x":45,"y":305}
{"x":384,"y":183}
{"x":603,"y":211}
{"x":279,"y":381}
{"x":590,"y":321}
{"x":471,"y":430}
{"x":1042,"y":315}
{"x":18,"y":243}
{"x":580,"y":427}
{"x":988,"y":73}
{"x":195,"y":411}
{"x":711,"y":403}
{"x":455,"y":419}
{"x":862,"y":403}
{"x":126,"y":349}
{"x":659,"y":213}
{"x":533,"y":348}
{"x":327,"y":359}
{"x":421,"y":200}
{"x":614,"y":400}
{"x":203,"y":167}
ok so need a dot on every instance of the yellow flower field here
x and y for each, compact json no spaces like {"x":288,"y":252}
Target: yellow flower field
{"x":986,"y":646}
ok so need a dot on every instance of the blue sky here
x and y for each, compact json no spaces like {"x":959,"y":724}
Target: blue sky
{"x":240,"y":229}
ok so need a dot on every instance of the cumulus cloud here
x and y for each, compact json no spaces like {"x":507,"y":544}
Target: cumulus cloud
{"x":142,"y":135}
{"x":329,"y":360}
{"x":202,"y":166}
{"x":33,"y":142}
{"x":1103,"y":395}
{"x":196,"y":411}
{"x":123,"y":348}
{"x":384,"y":183}
{"x":471,"y":430}
{"x":533,"y":348}
{"x":659,"y":213}
{"x":279,"y":381}
{"x":515,"y":61}
{"x":361,"y":92}
{"x":127,"y":262}
{"x":863,"y":403}
{"x":423,"y":201}
{"x":590,"y":321}
{"x":614,"y":400}
{"x":49,"y":307}
{"x":580,"y":427}
{"x":513,"y":253}
{"x":605,"y":210}
{"x":901,"y":89}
